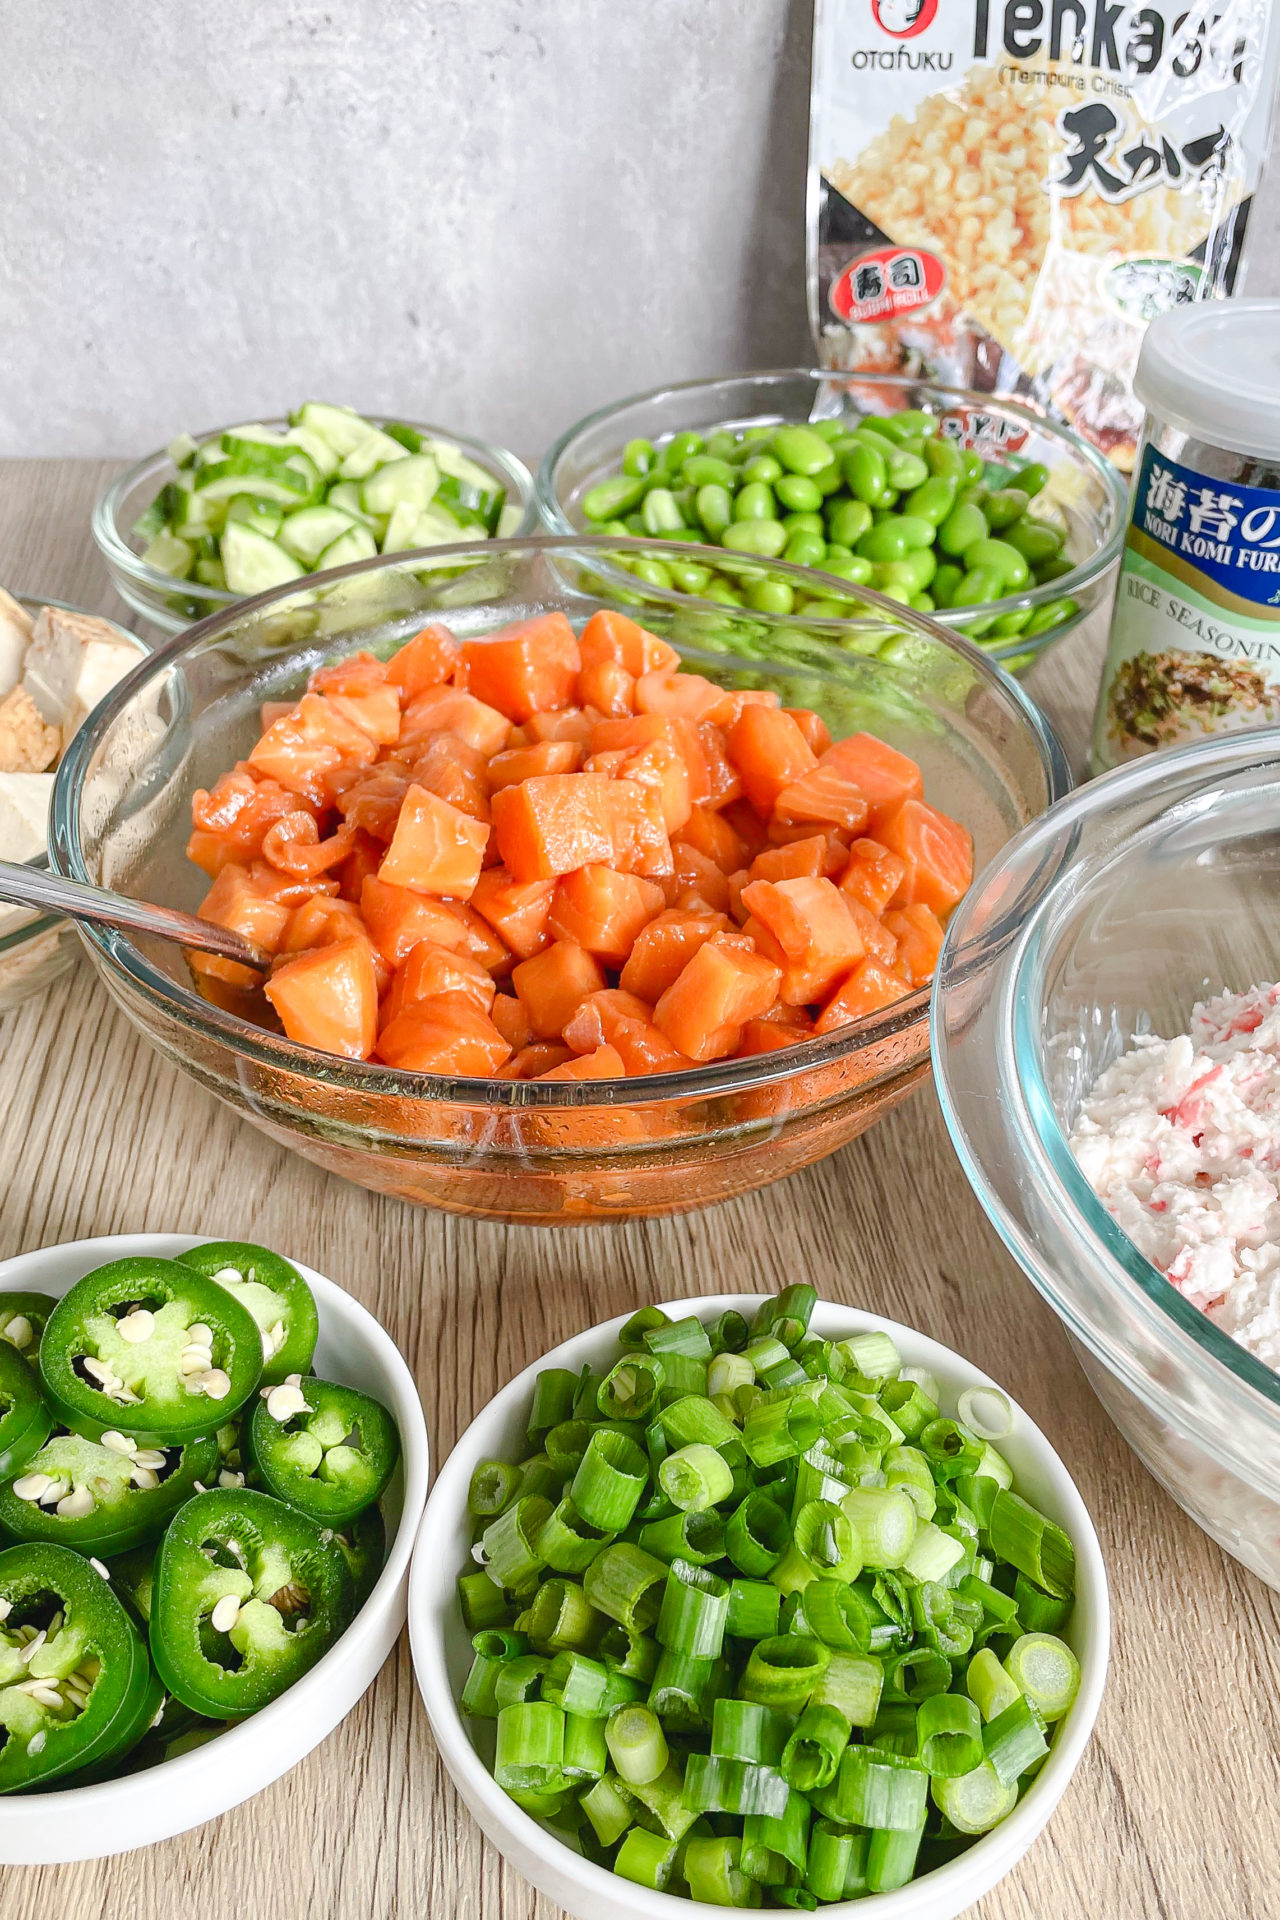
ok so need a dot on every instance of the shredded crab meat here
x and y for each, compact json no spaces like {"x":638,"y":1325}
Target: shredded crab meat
{"x":1180,"y":1140}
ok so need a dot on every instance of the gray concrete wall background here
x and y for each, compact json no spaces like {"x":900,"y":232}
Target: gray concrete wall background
{"x":496,"y":215}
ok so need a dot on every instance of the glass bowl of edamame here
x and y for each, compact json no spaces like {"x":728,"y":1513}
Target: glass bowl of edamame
{"x":1001,"y":523}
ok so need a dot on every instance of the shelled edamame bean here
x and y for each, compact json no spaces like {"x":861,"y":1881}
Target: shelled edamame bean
{"x":883,"y":502}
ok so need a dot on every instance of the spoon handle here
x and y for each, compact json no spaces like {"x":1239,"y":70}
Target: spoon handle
{"x":26,"y":886}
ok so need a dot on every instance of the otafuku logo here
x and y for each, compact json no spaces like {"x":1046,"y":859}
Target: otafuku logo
{"x":904,"y":19}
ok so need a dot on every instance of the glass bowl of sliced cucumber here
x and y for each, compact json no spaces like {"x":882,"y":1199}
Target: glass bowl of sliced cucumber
{"x":218,"y":517}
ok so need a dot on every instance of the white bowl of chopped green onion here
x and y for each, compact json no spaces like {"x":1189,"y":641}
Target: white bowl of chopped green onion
{"x":219,"y":516}
{"x":750,"y":1601}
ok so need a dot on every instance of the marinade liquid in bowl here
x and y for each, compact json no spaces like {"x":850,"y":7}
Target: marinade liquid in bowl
{"x":1141,"y":894}
{"x":529,"y":1150}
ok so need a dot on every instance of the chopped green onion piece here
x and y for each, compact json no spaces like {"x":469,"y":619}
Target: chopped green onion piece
{"x":629,"y":1391}
{"x":637,"y":1744}
{"x":493,"y":1485}
{"x":835,"y":1856}
{"x":745,"y":1730}
{"x":926,"y":1381}
{"x":949,"y":1728}
{"x":716,"y":1785}
{"x":581,"y":1685}
{"x":784,"y":1835}
{"x":695,"y":1477}
{"x":565,"y":1445}
{"x":1023,"y":1536}
{"x":999,"y":1607}
{"x":910,"y":1405}
{"x":884,"y":1523}
{"x":786,"y":1315}
{"x":520,"y":1679}
{"x":696,"y":1534}
{"x":682,"y":1689}
{"x":562,"y":1618}
{"x":813,"y":1752}
{"x":530,"y":1749}
{"x":664,"y":1798}
{"x":986,"y":1411}
{"x":627,"y":1584}
{"x":907,"y":1467}
{"x":1038,"y":1611}
{"x":952,"y":1448}
{"x":891,"y":1858}
{"x":695,"y":1605}
{"x":499,"y":1643}
{"x":647,"y":1858}
{"x":633,"y":1654}
{"x":566,"y":1542}
{"x":610,"y":1811}
{"x":687,"y":1337}
{"x":871,"y":1354}
{"x":895,"y":1729}
{"x":728,"y":1332}
{"x":824,"y":1537}
{"x":852,"y":1683}
{"x":757,"y":1534}
{"x":713,"y":1874}
{"x":919,"y":1673}
{"x":1046,"y":1671}
{"x":1015,"y":1740}
{"x":584,"y":1399}
{"x":510,"y":1556}
{"x":538,"y":1477}
{"x":481,"y":1602}
{"x":933,"y":1553}
{"x":479,"y":1696}
{"x":729,"y":1371}
{"x":586,"y":1755}
{"x":783,"y":1671}
{"x":878,"y":1789}
{"x":631,"y":1334}
{"x":754,"y":1606}
{"x":682,"y":1373}
{"x":607,"y":1487}
{"x":553,"y":1395}
{"x":694,"y":1419}
{"x":781,"y":1425}
{"x":977,"y":1801}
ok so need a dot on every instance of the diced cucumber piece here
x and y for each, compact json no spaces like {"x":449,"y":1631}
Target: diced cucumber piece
{"x":294,"y":483}
{"x":167,"y":554}
{"x":407,"y":436}
{"x":211,"y":573}
{"x":373,"y":451}
{"x":413,"y":479}
{"x":451,"y":459}
{"x":357,"y":543}
{"x":341,"y":428}
{"x":345,"y":495}
{"x":318,"y":451}
{"x":509,"y":521}
{"x":307,"y":533}
{"x":195,"y":513}
{"x":246,"y":440}
{"x":483,"y":505}
{"x":252,"y":562}
{"x":265,"y":515}
{"x":157,"y":516}
{"x":182,"y":450}
{"x":431,"y":526}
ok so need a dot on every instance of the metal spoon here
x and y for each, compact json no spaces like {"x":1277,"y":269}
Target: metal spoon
{"x":26,"y":886}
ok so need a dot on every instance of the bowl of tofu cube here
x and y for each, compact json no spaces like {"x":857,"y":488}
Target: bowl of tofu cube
{"x":221,"y":516}
{"x":56,"y":663}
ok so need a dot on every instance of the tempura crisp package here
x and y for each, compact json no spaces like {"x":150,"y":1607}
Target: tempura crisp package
{"x":1004,"y":192}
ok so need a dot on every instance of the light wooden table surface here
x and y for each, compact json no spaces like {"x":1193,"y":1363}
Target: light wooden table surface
{"x":1173,"y":1813}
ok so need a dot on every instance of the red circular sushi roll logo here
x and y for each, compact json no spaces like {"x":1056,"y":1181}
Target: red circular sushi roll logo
{"x":904,"y":19}
{"x":886,"y":283}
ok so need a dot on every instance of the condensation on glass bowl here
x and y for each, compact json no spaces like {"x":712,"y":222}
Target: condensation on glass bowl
{"x":1137,"y":896}
{"x":1084,"y":488}
{"x":537,"y":1151}
{"x":37,"y":948}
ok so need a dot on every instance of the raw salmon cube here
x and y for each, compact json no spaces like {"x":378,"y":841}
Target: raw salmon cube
{"x":435,"y":848}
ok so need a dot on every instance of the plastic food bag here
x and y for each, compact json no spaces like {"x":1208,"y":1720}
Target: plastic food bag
{"x":1004,"y":192}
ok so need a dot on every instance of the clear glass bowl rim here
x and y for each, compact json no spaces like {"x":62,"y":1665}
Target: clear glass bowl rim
{"x":274,"y":1051}
{"x":1085,"y":575}
{"x":114,"y":545}
{"x":1166,"y":1315}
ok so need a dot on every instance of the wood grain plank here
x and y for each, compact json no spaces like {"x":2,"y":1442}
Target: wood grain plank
{"x":1173,"y":1812}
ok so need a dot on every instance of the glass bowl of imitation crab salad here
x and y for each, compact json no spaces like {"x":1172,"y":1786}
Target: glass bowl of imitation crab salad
{"x":1106,"y":1023}
{"x":567,"y":912}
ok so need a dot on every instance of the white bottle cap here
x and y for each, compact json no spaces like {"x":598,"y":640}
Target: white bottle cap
{"x":1213,"y":370}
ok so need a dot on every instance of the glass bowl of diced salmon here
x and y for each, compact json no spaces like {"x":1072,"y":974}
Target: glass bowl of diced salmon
{"x":566,"y":916}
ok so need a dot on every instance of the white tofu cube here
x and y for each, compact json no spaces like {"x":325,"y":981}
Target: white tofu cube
{"x":15,"y":637}
{"x":24,"y":814}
